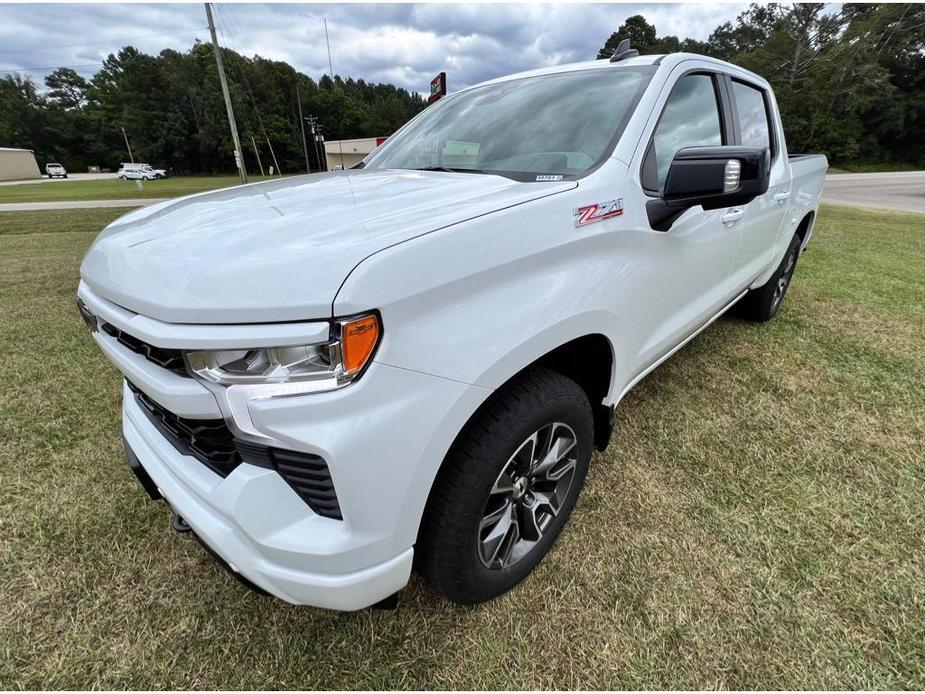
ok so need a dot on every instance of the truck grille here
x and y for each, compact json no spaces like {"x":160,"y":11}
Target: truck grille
{"x":170,"y":359}
{"x":208,"y":440}
{"x":211,"y":442}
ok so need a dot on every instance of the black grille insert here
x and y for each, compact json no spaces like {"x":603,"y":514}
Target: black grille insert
{"x":208,"y":440}
{"x":211,"y":442}
{"x":170,"y":359}
{"x":307,"y":474}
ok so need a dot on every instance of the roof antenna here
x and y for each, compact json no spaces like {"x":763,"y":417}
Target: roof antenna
{"x":623,"y":52}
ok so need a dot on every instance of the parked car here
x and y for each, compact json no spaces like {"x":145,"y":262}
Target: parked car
{"x":332,"y":378}
{"x":140,"y":172}
{"x":55,"y":171}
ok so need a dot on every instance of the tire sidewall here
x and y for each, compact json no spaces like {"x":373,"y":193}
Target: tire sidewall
{"x":792,"y":249}
{"x":569,"y":408}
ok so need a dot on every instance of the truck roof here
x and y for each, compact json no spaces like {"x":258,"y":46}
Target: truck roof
{"x":667,"y":59}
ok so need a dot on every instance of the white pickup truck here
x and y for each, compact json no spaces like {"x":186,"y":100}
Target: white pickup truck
{"x":334,"y":378}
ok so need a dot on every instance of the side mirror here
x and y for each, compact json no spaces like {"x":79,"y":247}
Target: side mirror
{"x":712,"y":177}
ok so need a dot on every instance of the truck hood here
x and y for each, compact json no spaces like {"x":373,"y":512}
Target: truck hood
{"x":280,"y":250}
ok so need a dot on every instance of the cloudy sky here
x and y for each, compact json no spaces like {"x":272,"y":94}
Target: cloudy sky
{"x":405,"y":44}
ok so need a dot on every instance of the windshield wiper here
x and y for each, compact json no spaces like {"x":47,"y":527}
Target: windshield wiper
{"x":450,"y":169}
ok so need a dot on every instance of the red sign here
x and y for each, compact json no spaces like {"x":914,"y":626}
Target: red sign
{"x":437,"y":87}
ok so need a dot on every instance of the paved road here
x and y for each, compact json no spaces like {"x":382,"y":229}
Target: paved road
{"x":76,"y":205}
{"x":70,"y":177}
{"x":903,"y":191}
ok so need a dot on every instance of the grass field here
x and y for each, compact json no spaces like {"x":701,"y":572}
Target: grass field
{"x":114,"y":189}
{"x":758,"y":521}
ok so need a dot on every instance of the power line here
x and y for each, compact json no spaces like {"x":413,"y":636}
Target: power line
{"x":245,"y":35}
{"x":243,"y":75}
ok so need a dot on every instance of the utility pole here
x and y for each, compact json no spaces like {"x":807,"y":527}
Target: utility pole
{"x":238,"y":154}
{"x":257,"y":154}
{"x":298,"y":96}
{"x":128,"y":146}
{"x":313,"y":123}
{"x":270,"y":145}
{"x":319,"y":143}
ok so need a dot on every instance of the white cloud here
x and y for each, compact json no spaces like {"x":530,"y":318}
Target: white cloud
{"x":400,"y":43}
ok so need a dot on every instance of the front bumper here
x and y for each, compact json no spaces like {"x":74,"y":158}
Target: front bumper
{"x":383,"y":443}
{"x":244,"y":519}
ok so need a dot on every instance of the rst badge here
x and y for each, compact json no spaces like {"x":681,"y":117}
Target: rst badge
{"x":597,"y":212}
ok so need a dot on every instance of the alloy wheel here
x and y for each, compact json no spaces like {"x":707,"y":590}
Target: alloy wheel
{"x":784,"y":280}
{"x":527,"y":495}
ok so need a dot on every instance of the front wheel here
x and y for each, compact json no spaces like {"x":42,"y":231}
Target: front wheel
{"x":507,"y":488}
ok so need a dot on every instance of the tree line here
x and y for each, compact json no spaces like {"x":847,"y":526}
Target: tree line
{"x":173,"y":113}
{"x":849,"y":83}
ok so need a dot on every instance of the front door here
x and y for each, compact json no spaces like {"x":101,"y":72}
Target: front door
{"x":691,"y":262}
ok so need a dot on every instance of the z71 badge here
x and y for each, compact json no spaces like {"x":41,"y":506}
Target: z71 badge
{"x":597,"y":212}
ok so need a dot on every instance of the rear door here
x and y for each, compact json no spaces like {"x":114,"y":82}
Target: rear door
{"x":754,"y":120}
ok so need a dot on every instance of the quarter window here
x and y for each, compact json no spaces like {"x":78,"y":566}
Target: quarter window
{"x":690,"y":119}
{"x":753,"y":116}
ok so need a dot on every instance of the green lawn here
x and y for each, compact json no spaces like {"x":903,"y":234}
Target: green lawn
{"x":114,"y":189}
{"x":758,"y":521}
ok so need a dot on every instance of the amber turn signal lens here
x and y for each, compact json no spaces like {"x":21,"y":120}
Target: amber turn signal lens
{"x":358,"y":340}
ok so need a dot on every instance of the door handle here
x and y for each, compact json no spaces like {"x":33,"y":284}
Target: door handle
{"x":732,"y":216}
{"x":782,"y":197}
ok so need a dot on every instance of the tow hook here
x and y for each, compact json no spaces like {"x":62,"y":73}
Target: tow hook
{"x":180,"y":525}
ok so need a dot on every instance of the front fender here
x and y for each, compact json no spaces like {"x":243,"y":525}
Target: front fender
{"x":479,"y":302}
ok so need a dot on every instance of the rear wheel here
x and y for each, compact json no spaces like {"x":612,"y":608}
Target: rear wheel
{"x":762,"y":304}
{"x":507,"y":488}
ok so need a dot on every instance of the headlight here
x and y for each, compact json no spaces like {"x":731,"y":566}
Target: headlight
{"x":297,"y":369}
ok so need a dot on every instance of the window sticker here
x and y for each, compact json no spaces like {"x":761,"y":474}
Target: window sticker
{"x":458,"y":148}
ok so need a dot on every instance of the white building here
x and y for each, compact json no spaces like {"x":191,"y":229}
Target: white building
{"x":17,"y":164}
{"x":342,"y":154}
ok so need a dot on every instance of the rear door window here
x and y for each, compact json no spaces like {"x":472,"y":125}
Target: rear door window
{"x":753,"y":115}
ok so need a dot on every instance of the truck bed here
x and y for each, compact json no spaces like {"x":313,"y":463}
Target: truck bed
{"x":808,"y":172}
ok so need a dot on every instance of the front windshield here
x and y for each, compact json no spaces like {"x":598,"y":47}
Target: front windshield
{"x":536,"y":128}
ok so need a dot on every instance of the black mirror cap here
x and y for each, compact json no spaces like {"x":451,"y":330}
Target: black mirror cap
{"x":697,"y":177}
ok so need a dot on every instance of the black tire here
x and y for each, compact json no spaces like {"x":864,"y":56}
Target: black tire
{"x":454,"y":550}
{"x":763,"y":303}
